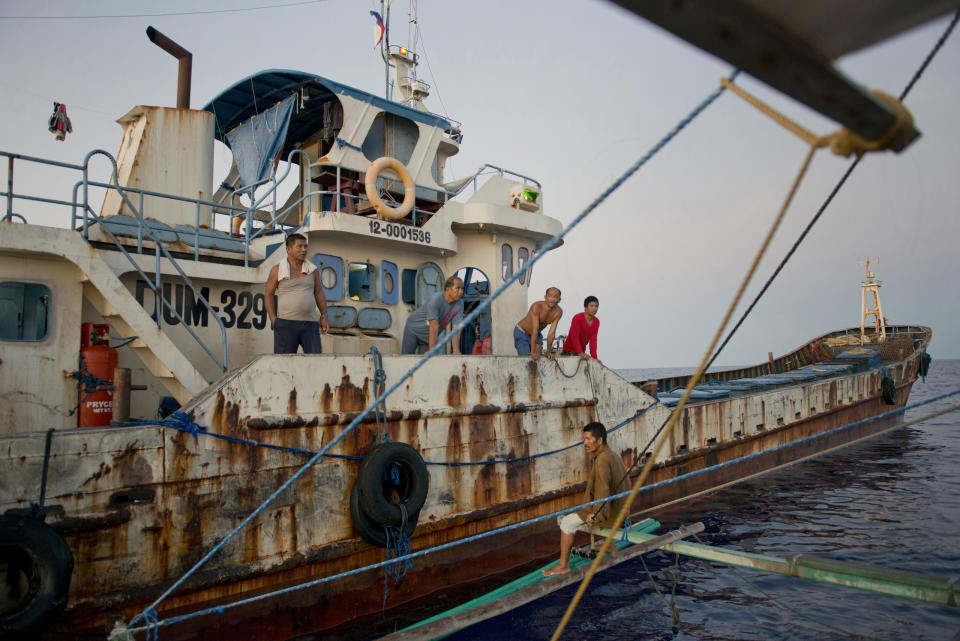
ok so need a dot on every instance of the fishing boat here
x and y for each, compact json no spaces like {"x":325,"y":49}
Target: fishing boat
{"x":160,"y":462}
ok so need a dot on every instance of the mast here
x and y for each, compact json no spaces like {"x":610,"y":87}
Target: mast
{"x":871,"y":307}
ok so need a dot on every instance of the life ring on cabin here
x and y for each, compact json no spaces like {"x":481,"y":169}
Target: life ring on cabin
{"x":395,"y":470}
{"x":368,"y":529}
{"x":373,"y":195}
{"x":888,"y":390}
{"x":38,"y":569}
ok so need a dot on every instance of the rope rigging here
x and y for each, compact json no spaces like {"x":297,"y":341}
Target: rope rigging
{"x":551,"y":516}
{"x":832,"y":194}
{"x":707,"y":358}
{"x":442,"y":343}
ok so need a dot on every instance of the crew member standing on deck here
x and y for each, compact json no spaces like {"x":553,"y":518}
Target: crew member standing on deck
{"x":608,"y":476}
{"x":583,"y":330}
{"x":296,"y":283}
{"x":542,"y":313}
{"x":443,"y":310}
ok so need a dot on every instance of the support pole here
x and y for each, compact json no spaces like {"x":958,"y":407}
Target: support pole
{"x":121,"y":394}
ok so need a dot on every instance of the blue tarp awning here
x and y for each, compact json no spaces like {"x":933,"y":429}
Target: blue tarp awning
{"x":259,"y":92}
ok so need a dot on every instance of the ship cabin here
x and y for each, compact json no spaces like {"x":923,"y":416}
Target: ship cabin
{"x":193,"y":257}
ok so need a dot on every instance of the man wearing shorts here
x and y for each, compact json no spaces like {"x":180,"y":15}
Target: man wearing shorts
{"x":608,"y":476}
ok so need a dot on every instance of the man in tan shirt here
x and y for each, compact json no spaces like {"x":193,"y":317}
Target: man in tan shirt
{"x":296,"y":283}
{"x":608,"y":476}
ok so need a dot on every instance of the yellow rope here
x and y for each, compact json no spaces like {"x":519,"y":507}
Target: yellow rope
{"x":683,"y":400}
{"x":843,"y":142}
{"x":804,"y":134}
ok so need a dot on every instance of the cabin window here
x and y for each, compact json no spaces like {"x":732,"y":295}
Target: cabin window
{"x":391,"y":135}
{"x":331,"y":275}
{"x":389,"y":292}
{"x":506,"y":261}
{"x":523,"y":255}
{"x":24,"y":311}
{"x":408,"y":287}
{"x":362,"y":282}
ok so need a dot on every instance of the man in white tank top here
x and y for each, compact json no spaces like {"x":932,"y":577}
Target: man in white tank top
{"x":296,"y":283}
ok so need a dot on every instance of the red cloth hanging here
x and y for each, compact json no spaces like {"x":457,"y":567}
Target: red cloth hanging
{"x":59,"y":123}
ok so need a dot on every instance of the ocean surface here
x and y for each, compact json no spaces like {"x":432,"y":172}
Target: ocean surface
{"x":893,"y":502}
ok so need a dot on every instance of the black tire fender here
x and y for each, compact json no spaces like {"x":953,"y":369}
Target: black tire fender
{"x":410,"y":490}
{"x":39,"y":566}
{"x":888,"y":389}
{"x":925,"y":363}
{"x":368,"y":529}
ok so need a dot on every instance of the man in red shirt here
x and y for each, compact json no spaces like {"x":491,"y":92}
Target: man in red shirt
{"x":583,"y":330}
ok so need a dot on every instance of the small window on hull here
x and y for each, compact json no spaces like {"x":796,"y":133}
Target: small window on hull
{"x":24,"y":311}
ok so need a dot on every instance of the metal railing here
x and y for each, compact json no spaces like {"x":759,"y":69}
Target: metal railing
{"x":82,"y":201}
{"x":83,"y":217}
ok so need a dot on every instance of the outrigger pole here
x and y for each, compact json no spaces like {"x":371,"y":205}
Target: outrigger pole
{"x":909,"y":585}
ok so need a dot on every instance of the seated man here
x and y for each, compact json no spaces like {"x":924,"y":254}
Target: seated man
{"x":442,"y":310}
{"x":542,"y":313}
{"x":583,"y":330}
{"x":608,"y":476}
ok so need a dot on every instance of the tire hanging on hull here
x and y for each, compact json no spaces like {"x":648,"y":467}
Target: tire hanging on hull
{"x":393,"y":470}
{"x":888,"y":390}
{"x":38,"y":569}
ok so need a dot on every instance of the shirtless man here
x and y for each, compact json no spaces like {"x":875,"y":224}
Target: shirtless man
{"x":542,"y":313}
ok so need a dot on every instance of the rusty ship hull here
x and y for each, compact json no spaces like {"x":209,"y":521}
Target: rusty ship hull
{"x":138,"y":506}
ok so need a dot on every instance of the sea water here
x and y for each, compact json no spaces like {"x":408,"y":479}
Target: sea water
{"x":892,"y":501}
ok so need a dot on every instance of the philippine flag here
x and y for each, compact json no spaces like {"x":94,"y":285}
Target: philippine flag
{"x":378,"y":28}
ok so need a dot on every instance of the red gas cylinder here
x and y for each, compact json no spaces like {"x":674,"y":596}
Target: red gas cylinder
{"x":97,"y":359}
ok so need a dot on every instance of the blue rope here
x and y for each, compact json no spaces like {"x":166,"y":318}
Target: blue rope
{"x":152,"y":624}
{"x":126,"y":340}
{"x":379,"y":383}
{"x":493,"y":461}
{"x":442,"y":343}
{"x":553,"y":515}
{"x":181,"y":422}
{"x":87,"y":383}
{"x":398,"y":547}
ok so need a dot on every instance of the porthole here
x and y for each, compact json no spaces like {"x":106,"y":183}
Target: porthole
{"x":328,"y":277}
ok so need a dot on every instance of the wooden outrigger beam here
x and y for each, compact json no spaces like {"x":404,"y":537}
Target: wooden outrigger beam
{"x":459,"y":619}
{"x":909,"y":585}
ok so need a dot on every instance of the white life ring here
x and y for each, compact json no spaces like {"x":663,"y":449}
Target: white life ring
{"x":370,"y":187}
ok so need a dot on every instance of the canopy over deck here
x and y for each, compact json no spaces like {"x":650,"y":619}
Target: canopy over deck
{"x":257,"y":93}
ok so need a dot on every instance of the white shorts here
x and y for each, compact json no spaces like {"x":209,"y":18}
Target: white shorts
{"x":569,"y":522}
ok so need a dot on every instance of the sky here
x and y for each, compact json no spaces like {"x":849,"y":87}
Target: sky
{"x":570,"y":93}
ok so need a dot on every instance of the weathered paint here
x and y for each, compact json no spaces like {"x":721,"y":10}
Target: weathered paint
{"x":140,"y":505}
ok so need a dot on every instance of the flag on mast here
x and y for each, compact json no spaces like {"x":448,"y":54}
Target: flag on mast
{"x":378,"y":28}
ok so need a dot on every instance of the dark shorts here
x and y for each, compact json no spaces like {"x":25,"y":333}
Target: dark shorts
{"x":521,"y":341}
{"x":288,"y":335}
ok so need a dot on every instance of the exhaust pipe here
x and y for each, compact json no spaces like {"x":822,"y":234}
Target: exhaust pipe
{"x":186,"y":62}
